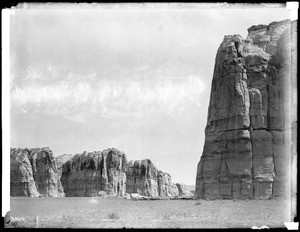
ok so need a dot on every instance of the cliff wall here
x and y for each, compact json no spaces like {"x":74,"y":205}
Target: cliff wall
{"x":84,"y":175}
{"x":144,"y":178}
{"x":246,"y":152}
{"x":34,"y":173}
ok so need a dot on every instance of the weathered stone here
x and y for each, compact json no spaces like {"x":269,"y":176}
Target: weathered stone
{"x":142,"y":178}
{"x":165,"y":185}
{"x":182,"y":190}
{"x":281,"y":162}
{"x":127,"y":196}
{"x":145,"y":179}
{"x":258,"y":108}
{"x":34,"y":173}
{"x":46,"y":174}
{"x":88,"y":173}
{"x":244,"y":153}
{"x":21,"y":175}
{"x":101,"y":194}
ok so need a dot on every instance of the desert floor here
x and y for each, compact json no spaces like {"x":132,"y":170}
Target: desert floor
{"x":119,"y":213}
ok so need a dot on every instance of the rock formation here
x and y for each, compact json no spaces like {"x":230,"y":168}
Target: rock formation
{"x":165,"y":185}
{"x":34,"y":173}
{"x":145,"y":179}
{"x":142,"y":178}
{"x":182,"y":190}
{"x":245,"y":153}
{"x":84,"y":175}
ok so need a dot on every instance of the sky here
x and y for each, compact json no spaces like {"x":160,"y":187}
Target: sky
{"x":133,"y":77}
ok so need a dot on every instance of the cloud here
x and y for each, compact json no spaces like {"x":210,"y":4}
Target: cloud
{"x":78,"y":97}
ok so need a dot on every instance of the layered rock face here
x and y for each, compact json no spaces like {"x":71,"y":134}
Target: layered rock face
{"x":145,"y":179}
{"x":182,"y":190}
{"x":245,"y":153}
{"x":34,"y":173}
{"x":84,"y":175}
{"x":165,"y":185}
{"x":142,"y":178}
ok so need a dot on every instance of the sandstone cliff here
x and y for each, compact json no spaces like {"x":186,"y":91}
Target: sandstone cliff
{"x":84,"y":175}
{"x":165,"y":185}
{"x":142,"y":178}
{"x":245,"y":153}
{"x":182,"y":190}
{"x":36,"y":173}
{"x":145,"y":179}
{"x":33,"y":173}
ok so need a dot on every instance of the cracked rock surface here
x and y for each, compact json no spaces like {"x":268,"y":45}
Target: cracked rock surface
{"x":145,"y":179}
{"x":86,"y":174}
{"x":34,"y":173}
{"x":246,"y":152}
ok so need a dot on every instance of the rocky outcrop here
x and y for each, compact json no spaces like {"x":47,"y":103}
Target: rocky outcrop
{"x":165,"y":185}
{"x":21,"y":175}
{"x":84,"y":175}
{"x":182,"y":190}
{"x":145,"y":179}
{"x":142,"y":178}
{"x":34,"y":173}
{"x":245,"y":153}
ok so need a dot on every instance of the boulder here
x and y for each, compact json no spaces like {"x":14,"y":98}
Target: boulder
{"x":127,"y":196}
{"x":136,"y":196}
{"x":101,"y":194}
{"x":245,"y":150}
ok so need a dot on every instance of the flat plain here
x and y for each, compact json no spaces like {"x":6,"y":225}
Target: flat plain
{"x":87,"y":212}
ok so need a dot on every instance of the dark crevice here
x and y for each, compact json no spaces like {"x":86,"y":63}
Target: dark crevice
{"x":252,"y":168}
{"x":262,"y":128}
{"x":220,"y":172}
{"x":236,"y":44}
{"x":274,"y":170}
{"x":244,"y":128}
{"x":231,"y":181}
{"x":269,"y":130}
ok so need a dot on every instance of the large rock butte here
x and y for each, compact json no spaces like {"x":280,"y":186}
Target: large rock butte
{"x":246,"y":152}
{"x":84,"y":175}
{"x":34,"y":173}
{"x":145,"y":179}
{"x":142,"y":178}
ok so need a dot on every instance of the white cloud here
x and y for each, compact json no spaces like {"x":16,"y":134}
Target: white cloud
{"x":107,"y":96}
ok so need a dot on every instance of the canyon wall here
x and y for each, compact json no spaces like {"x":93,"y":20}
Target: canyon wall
{"x":84,"y":175}
{"x":246,"y":152}
{"x":142,"y":178}
{"x":34,"y":173}
{"x":145,"y":179}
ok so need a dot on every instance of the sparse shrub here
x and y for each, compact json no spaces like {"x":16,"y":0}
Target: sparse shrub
{"x":113,"y":216}
{"x":15,"y":224}
{"x":187,"y":214}
{"x":166,"y":216}
{"x":198,"y":203}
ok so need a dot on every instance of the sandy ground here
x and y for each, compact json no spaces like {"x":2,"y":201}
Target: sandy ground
{"x":119,"y":213}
